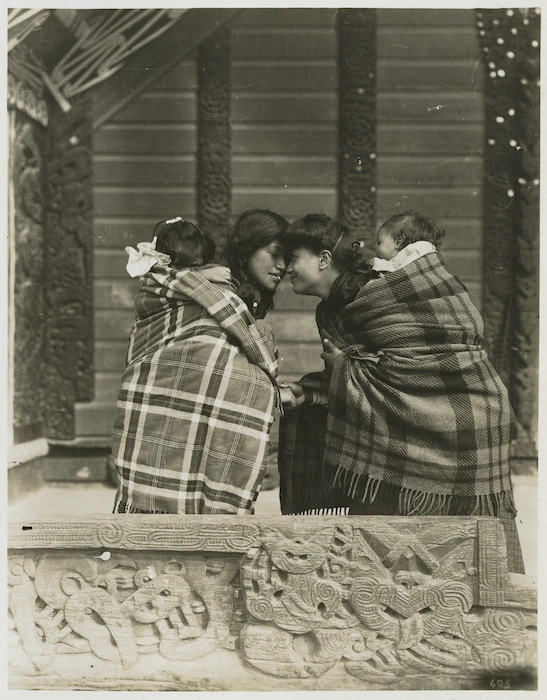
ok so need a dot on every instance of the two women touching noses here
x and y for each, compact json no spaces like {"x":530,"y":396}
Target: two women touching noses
{"x":407,"y":418}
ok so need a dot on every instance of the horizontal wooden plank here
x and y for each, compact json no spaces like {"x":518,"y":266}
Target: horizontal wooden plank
{"x":107,"y":385}
{"x":433,"y":75}
{"x":143,"y":170}
{"x":438,"y":138}
{"x":110,"y":355}
{"x":115,"y":293}
{"x":94,"y":418}
{"x":290,"y":325}
{"x":122,"y":231}
{"x":430,"y":107}
{"x":425,"y":42}
{"x":466,"y":264}
{"x":294,"y":43}
{"x":113,"y":324}
{"x":154,"y":139}
{"x":110,"y":263}
{"x":392,"y":41}
{"x":284,"y":75}
{"x":287,"y":139}
{"x":394,"y":171}
{"x":182,"y":77}
{"x":462,"y":232}
{"x":284,"y":107}
{"x":288,"y":170}
{"x":436,"y":202}
{"x":286,"y":17}
{"x":425,"y":17}
{"x":144,"y":201}
{"x":178,"y":107}
{"x":290,"y":203}
{"x":299,"y":358}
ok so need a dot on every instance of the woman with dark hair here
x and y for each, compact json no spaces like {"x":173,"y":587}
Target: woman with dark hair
{"x":416,"y":421}
{"x":196,"y":403}
{"x":256,"y":256}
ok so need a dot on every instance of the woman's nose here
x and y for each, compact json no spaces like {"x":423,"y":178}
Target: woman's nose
{"x":281,"y":265}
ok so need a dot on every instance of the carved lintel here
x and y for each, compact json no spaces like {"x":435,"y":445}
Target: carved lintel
{"x":357,"y":121}
{"x":369,"y":600}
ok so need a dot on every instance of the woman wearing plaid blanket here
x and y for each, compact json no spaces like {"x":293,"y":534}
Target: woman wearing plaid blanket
{"x":196,"y":401}
{"x":415,"y":418}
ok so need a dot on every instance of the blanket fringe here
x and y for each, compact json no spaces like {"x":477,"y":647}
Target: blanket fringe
{"x":324,"y":511}
{"x":416,"y":502}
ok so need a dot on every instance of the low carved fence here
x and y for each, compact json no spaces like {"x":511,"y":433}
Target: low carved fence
{"x":141,"y":602}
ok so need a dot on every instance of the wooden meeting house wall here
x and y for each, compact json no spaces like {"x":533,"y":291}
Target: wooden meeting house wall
{"x":388,"y":602}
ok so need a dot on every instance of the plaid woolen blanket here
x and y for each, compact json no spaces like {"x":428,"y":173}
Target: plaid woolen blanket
{"x":196,"y":401}
{"x":413,"y":403}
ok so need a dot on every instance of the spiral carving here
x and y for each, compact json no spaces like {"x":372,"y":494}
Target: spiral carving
{"x":111,"y":534}
{"x":260,"y":608}
{"x":214,"y":182}
{"x":357,"y":120}
{"x":214,"y":100}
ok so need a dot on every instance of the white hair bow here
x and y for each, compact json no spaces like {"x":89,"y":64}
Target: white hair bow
{"x":144,"y":258}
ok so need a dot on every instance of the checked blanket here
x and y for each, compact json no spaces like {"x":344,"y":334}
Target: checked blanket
{"x":413,"y":403}
{"x":196,"y":401}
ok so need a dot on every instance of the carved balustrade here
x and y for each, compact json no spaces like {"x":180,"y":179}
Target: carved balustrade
{"x":272,"y":603}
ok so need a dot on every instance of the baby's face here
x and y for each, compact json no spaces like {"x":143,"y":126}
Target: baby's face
{"x":386,"y":248}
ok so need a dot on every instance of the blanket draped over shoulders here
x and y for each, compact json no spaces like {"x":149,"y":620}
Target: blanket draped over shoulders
{"x":196,"y":402}
{"x":413,"y":404}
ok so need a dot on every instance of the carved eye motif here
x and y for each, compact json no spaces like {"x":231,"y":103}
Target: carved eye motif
{"x":165,"y":593}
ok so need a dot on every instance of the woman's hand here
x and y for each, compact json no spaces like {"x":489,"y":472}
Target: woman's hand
{"x":219,"y":274}
{"x":330,"y":353}
{"x":292,"y":395}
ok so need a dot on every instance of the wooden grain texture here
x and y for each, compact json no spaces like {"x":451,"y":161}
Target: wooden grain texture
{"x":138,"y":602}
{"x":430,"y":112}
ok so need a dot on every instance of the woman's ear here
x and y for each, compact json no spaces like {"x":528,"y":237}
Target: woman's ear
{"x":325,"y":259}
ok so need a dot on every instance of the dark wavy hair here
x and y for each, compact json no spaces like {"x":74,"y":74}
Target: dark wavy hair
{"x":185,"y":243}
{"x":409,"y":226}
{"x":317,"y":232}
{"x":252,"y":230}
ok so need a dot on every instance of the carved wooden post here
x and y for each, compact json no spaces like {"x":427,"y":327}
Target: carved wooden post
{"x":28,"y":118}
{"x":357,"y":121}
{"x":510,"y":45}
{"x":69,"y":265}
{"x":214,"y":183}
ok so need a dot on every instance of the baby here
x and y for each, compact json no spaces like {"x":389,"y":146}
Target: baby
{"x":403,"y":238}
{"x":178,"y":244}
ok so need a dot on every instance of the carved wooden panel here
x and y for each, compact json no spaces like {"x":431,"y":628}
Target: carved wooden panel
{"x":510,"y":47}
{"x":214,"y":183}
{"x":358,"y":602}
{"x":27,"y":220}
{"x":357,"y":121}
{"x":69,"y":264}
